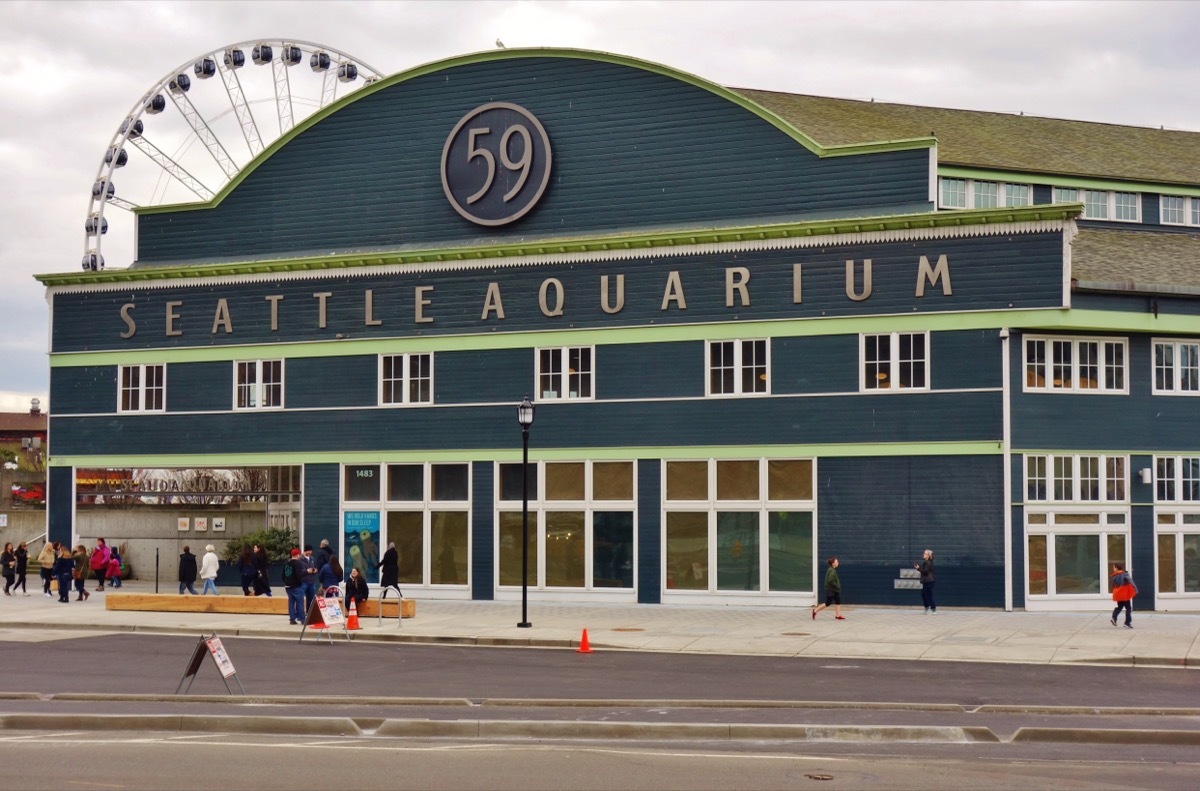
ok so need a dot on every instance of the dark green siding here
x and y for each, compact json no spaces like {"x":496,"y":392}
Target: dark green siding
{"x":483,"y":376}
{"x":322,"y":503}
{"x":483,"y":540}
{"x":82,"y":390}
{"x":632,"y":149}
{"x":60,"y":493}
{"x":315,"y":382}
{"x":650,"y":370}
{"x":649,"y":531}
{"x":878,"y":514}
{"x":821,"y":364}
{"x":195,"y":387}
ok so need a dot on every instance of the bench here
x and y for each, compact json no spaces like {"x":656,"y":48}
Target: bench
{"x":244,"y":605}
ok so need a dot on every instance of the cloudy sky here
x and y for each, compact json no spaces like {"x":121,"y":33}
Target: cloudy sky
{"x":73,"y":70}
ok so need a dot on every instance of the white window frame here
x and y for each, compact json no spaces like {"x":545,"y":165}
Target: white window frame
{"x":868,"y":384}
{"x":405,"y":380}
{"x":260,"y":387}
{"x":142,"y":391}
{"x":1177,"y":514}
{"x":1099,"y":204}
{"x":1176,"y":366}
{"x":1005,"y":197}
{"x":740,"y":368}
{"x":1044,"y":521}
{"x":1043,"y":379}
{"x":1063,"y":478}
{"x":564,"y":374}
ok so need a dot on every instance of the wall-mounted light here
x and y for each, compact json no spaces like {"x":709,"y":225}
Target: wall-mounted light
{"x":1146,"y":474}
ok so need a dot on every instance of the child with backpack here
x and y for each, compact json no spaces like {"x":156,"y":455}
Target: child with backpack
{"x":1123,"y":592}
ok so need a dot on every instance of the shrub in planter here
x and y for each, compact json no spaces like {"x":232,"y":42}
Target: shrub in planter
{"x":278,"y":542}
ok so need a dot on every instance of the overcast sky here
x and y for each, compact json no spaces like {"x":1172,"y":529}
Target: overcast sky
{"x":72,"y":71}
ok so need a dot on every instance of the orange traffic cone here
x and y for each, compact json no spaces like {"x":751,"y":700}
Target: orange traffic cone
{"x":352,"y":618}
{"x":584,"y":648}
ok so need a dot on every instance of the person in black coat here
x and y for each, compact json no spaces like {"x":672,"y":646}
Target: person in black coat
{"x":262,"y":583}
{"x":356,"y":589}
{"x":187,"y":572}
{"x":390,"y":568}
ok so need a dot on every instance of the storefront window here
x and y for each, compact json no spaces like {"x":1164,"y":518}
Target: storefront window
{"x":737,"y":480}
{"x":406,"y":482}
{"x":565,"y":481}
{"x":612,"y":549}
{"x":509,"y":548}
{"x":566,"y":542}
{"x":1166,"y":564}
{"x":1038,"y":568}
{"x":1077,"y":564}
{"x":737,"y":551}
{"x":791,"y":554}
{"x":687,"y":551}
{"x":405,"y":529}
{"x":612,"y":480}
{"x":687,"y":480}
{"x":449,"y":550}
{"x":789,"y":479}
{"x":362,"y":482}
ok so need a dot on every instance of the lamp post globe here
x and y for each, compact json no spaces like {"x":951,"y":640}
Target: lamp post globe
{"x":525,"y":419}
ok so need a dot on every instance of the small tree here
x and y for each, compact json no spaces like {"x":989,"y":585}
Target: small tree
{"x":277,"y":542}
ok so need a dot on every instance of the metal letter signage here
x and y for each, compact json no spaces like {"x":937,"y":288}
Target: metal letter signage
{"x":496,"y":164}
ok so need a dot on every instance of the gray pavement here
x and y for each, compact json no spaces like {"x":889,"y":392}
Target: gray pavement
{"x":1157,"y":639}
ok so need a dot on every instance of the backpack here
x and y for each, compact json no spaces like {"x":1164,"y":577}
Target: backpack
{"x":290,"y":580}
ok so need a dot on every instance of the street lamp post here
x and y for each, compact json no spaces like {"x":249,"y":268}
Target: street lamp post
{"x":525,"y":418}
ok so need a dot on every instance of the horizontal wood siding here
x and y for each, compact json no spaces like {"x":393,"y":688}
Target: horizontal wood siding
{"x":877,"y":515}
{"x":483,"y":526}
{"x":1137,"y":303}
{"x":88,"y":388}
{"x":970,"y":358}
{"x":987,"y":273}
{"x":649,"y":531}
{"x":483,"y":376}
{"x":821,"y":364}
{"x":650,"y":370}
{"x":893,"y":418}
{"x":313,"y":382}
{"x":632,"y":149}
{"x":322,"y":503}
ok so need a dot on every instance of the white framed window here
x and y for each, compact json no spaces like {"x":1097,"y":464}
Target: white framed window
{"x":1103,"y":204}
{"x":738,"y":367}
{"x":1179,"y":210}
{"x":406,"y":378}
{"x":142,"y":388}
{"x":565,"y":373}
{"x":1069,"y":552}
{"x":1076,"y":478}
{"x":1177,"y":525}
{"x":1177,"y":479}
{"x":258,"y":384}
{"x":1076,"y":365}
{"x":894,"y":361}
{"x":582,"y":525}
{"x":974,"y":194}
{"x":1176,"y":367}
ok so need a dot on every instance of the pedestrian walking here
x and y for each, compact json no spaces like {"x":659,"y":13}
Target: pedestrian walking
{"x":187,"y":571}
{"x":46,"y":559}
{"x":293,"y":582}
{"x":8,"y":563}
{"x":927,"y":581}
{"x":833,"y":591}
{"x":208,"y":570}
{"x":262,"y":563}
{"x":330,"y":575}
{"x":113,"y":574}
{"x":99,"y":562}
{"x":82,"y":561}
{"x":63,"y":571}
{"x":22,"y":566}
{"x":1124,"y":590}
{"x":390,"y":569}
{"x":247,"y":569}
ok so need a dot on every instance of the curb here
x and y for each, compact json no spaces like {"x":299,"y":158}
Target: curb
{"x":1107,"y":736}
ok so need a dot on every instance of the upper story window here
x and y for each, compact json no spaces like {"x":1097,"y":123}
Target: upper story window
{"x":1077,"y":365}
{"x":1176,"y":367}
{"x":1177,"y":479}
{"x":1103,"y":204}
{"x":1179,"y":210}
{"x":737,"y":367}
{"x":1067,"y":479}
{"x":258,"y":384}
{"x":142,"y":388}
{"x":895,"y":361}
{"x":565,"y":373}
{"x":406,"y":378}
{"x":972,"y":194}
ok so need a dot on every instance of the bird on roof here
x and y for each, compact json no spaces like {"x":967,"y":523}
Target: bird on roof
{"x":500,"y":44}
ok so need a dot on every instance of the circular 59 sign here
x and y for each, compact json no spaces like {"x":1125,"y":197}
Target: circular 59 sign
{"x":496,"y":164}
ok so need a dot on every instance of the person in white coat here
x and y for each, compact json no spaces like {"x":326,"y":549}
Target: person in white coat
{"x":208,"y":570}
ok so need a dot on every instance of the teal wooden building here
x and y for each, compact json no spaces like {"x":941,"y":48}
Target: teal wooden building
{"x":759,"y":329}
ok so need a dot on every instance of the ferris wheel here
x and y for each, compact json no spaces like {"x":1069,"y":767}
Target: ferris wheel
{"x":199,"y":136}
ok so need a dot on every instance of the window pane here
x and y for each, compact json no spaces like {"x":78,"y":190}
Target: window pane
{"x":1095,"y":204}
{"x":1077,"y":519}
{"x":406,"y":482}
{"x":1166,"y":563}
{"x":564,"y":480}
{"x":450,"y":482}
{"x":754,"y":366}
{"x":1114,"y":479}
{"x":1016,"y":195}
{"x":405,"y":528}
{"x":954,"y":193}
{"x":1127,"y":206}
{"x":1164,"y":366}
{"x":247,"y":390}
{"x":612,"y":480}
{"x":511,"y":481}
{"x":362,"y":543}
{"x":790,"y":479}
{"x":566,"y":542}
{"x":1191,"y":563}
{"x":877,"y":357}
{"x":1089,"y":478}
{"x":1035,"y":472}
{"x":1114,"y":366}
{"x":1077,"y":564}
{"x":448,"y":547}
{"x":550,"y":378}
{"x":1089,"y":365}
{"x":985,"y":194}
{"x":791,"y":551}
{"x":510,"y":547}
{"x":272,"y":376}
{"x":1116,"y":551}
{"x":912,"y":360}
{"x":737,"y":551}
{"x":1061,"y":368}
{"x":612,"y":549}
{"x":687,"y":551}
{"x":362,"y":481}
{"x":1172,"y":209}
{"x":1064,"y":484}
{"x":1065,"y":195}
{"x":1037,"y":566}
{"x":737,"y":480}
{"x":156,"y":376}
{"x":579,"y":373}
{"x":687,"y":480}
{"x":1189,"y":364}
{"x":721,"y":368}
{"x":393,"y":379}
{"x":1035,"y":363}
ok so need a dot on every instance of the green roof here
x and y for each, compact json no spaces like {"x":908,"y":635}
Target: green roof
{"x":998,"y":141}
{"x":1104,"y":259}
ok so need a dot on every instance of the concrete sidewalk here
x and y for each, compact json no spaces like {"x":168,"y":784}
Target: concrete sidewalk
{"x":1158,"y":639}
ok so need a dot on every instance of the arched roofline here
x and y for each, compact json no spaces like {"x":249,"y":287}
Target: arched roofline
{"x":546,"y":52}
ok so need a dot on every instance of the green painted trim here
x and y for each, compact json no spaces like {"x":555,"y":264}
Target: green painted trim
{"x":1049,"y":319}
{"x":555,"y":454}
{"x":574,"y":245}
{"x":549,"y":52}
{"x":1014,"y":177}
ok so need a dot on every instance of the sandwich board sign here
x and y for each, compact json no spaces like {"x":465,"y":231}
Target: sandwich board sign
{"x":325,"y":613}
{"x":212,"y":647}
